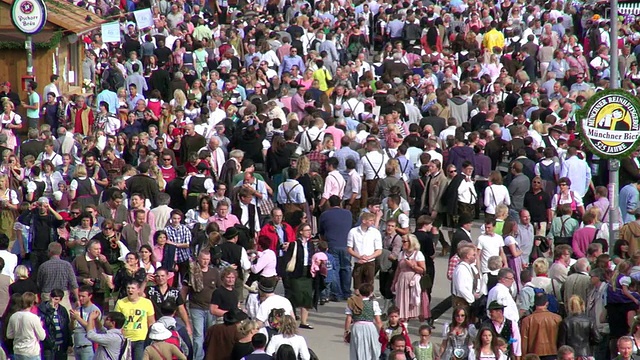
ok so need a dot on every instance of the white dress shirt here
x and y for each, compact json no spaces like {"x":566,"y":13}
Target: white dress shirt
{"x":502,"y":295}
{"x":364,"y":242}
{"x":373,"y":164}
{"x":465,"y":281}
{"x":244,"y":220}
{"x":467,"y":192}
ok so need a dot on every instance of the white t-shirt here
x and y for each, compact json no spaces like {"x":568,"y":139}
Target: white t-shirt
{"x":270,"y":303}
{"x":488,"y":246}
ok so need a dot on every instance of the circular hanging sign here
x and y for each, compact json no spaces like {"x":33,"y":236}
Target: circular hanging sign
{"x":29,"y":16}
{"x":610,"y":123}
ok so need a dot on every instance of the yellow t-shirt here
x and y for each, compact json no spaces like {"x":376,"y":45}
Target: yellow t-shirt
{"x":136,"y":314}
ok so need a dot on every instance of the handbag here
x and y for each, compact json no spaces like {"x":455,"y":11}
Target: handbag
{"x":291,"y":265}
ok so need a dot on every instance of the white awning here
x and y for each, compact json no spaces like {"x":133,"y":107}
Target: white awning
{"x":629,"y":8}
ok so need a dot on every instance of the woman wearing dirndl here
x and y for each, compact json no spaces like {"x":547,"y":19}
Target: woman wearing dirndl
{"x":363,"y":325}
{"x":82,"y":188}
{"x":297,"y":262}
{"x":8,"y":207}
{"x":10,"y":120}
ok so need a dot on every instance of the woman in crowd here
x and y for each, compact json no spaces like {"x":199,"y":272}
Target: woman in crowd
{"x":81,"y":234}
{"x":298,"y":265}
{"x":10,"y":121}
{"x":201,"y":214}
{"x":362,"y":325}
{"x":83,"y":188}
{"x":563,"y":226}
{"x":486,"y":346}
{"x":541,"y":279}
{"x":568,"y":197}
{"x":278,"y":159}
{"x":578,"y":330}
{"x":620,"y":251}
{"x":160,"y":348}
{"x":8,"y":207}
{"x":457,"y":336}
{"x":130,"y":271}
{"x":51,"y":178}
{"x":266,"y":261}
{"x":512,"y":250}
{"x":247,"y":328}
{"x":23,"y":282}
{"x":148,"y":262}
{"x":406,"y":283}
{"x":495,"y":194}
{"x":288,"y":335}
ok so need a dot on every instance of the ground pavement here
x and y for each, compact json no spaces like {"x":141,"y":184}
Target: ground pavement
{"x":326,"y":338}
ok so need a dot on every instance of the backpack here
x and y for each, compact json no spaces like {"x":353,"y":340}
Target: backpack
{"x":554,"y":304}
{"x":125,"y":350}
{"x":115,"y":80}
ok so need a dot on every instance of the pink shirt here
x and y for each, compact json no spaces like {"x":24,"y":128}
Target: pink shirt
{"x":266,"y":263}
{"x":334,"y":184}
{"x":337,"y":135}
{"x":316,"y":260}
{"x":225,"y":222}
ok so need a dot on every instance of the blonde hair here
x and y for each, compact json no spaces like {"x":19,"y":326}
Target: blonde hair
{"x":575,"y":305}
{"x":179,"y":97}
{"x":21,"y":272}
{"x":304,"y":165}
{"x":288,"y":326}
{"x":540,"y":266}
{"x":81,"y":170}
{"x":502,"y":211}
{"x":414,"y":244}
{"x":246,"y":327}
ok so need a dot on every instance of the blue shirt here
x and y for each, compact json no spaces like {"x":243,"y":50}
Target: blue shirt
{"x":628,"y":202}
{"x":334,"y":225}
{"x":131,"y":101}
{"x":111,"y":98}
{"x":288,"y":62}
{"x":347,"y":153}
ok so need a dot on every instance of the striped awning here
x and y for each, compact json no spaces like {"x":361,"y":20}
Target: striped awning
{"x":629,"y":8}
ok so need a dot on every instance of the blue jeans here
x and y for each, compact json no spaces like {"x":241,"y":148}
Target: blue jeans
{"x":26,"y":357}
{"x":343,"y":289}
{"x":83,"y":353}
{"x":137,"y":350}
{"x":201,"y":320}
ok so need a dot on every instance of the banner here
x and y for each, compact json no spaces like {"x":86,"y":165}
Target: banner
{"x":144,"y":18}
{"x":610,"y":123}
{"x":111,"y":32}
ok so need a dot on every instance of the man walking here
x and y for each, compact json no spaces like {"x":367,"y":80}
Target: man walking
{"x":334,"y":227}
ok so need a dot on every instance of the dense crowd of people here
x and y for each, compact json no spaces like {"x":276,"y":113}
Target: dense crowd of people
{"x":236,"y":147}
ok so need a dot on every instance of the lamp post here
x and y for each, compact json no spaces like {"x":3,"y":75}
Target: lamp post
{"x":614,"y":164}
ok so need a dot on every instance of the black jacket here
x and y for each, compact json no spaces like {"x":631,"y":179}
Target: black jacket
{"x":298,"y":271}
{"x":144,"y":185}
{"x":579,"y":332}
{"x":46,"y":313}
{"x":458,"y":236}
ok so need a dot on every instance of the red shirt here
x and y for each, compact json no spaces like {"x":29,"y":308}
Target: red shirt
{"x":168,"y":174}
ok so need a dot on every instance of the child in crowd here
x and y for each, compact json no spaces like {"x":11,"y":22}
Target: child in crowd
{"x":391,"y":328}
{"x":424,"y":349}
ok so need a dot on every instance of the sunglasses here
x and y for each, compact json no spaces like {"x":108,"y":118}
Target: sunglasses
{"x":452,"y":171}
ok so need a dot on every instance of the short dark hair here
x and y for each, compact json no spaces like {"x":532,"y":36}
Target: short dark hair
{"x":4,"y":241}
{"x":117,"y":318}
{"x":86,"y":288}
{"x":259,"y":341}
{"x":334,"y":200}
{"x":57,"y":293}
